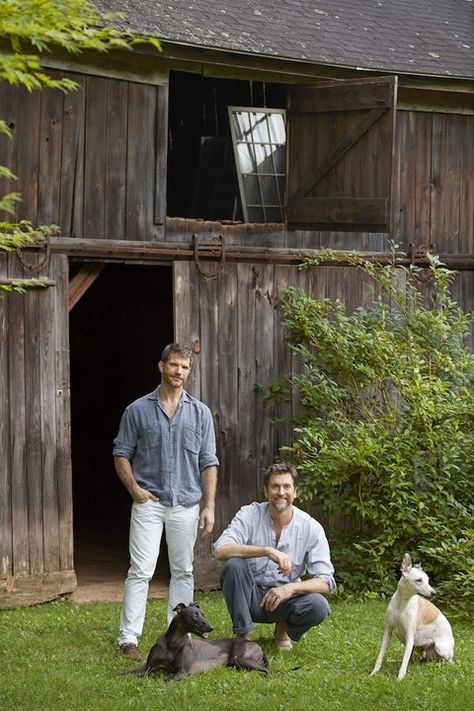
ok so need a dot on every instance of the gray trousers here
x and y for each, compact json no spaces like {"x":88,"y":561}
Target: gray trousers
{"x":243,"y":597}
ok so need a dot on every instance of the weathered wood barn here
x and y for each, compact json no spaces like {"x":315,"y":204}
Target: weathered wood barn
{"x":186,"y":185}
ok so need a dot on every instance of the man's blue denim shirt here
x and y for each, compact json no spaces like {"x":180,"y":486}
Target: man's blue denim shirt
{"x":168,"y":456}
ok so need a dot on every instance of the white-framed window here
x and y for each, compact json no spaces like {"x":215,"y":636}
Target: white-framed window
{"x":259,"y":140}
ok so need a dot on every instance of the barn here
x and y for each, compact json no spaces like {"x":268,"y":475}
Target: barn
{"x":187,"y":185}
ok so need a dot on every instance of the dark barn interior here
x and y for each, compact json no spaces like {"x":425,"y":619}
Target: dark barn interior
{"x":117,"y":331}
{"x":202,"y":181}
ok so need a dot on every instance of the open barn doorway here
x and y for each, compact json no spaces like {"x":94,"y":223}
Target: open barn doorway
{"x":118,"y":328}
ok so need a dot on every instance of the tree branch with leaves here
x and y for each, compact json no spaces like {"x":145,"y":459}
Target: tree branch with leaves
{"x":30,"y":29}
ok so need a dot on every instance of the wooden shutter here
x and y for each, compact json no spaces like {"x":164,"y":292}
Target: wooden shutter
{"x":340,"y":154}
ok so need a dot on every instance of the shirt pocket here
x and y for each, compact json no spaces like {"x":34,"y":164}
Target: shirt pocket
{"x":192,"y":440}
{"x":151,"y":438}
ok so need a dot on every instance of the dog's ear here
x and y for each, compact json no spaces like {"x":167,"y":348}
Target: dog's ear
{"x":406,"y":564}
{"x":179,"y":607}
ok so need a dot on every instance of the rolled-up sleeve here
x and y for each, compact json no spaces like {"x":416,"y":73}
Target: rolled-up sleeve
{"x":207,"y":452}
{"x":126,"y":441}
{"x":318,"y":562}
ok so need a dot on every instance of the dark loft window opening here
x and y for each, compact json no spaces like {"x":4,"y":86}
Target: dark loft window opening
{"x":203,"y":181}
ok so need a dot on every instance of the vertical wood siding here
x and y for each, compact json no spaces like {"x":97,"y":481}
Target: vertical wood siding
{"x":35,"y":478}
{"x":88,"y":161}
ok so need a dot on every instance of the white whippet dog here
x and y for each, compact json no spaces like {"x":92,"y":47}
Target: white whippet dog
{"x":417,"y":623}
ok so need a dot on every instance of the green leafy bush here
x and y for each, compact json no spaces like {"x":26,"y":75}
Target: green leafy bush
{"x":384,"y":439}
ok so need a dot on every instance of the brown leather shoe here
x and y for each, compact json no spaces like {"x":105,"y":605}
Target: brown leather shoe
{"x":131,"y":650}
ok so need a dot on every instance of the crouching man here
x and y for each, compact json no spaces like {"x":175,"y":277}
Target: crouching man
{"x":267,"y":548}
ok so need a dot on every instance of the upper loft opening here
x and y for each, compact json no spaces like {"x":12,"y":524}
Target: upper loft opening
{"x":203,"y":181}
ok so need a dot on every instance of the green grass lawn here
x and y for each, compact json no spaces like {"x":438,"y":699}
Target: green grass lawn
{"x":62,"y":656}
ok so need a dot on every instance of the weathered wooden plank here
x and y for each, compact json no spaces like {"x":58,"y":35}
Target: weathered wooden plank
{"x":408,"y":179}
{"x":150,"y":168}
{"x":285,"y":276}
{"x":126,"y":66}
{"x":202,"y":331}
{"x":49,"y":171}
{"x":115,"y":159}
{"x":35,"y":589}
{"x":209,"y":355}
{"x":466,"y":223}
{"x":18,"y":431}
{"x":161,"y":155}
{"x":452,"y":195}
{"x":9,"y":101}
{"x":227,"y":337}
{"x":264,"y":357}
{"x":94,"y":160}
{"x":72,"y":164}
{"x":6,"y":546}
{"x":137,"y":189}
{"x":317,"y":213}
{"x":34,"y":449}
{"x":349,"y":95}
{"x":46,"y":393}
{"x":246,"y":457}
{"x":187,"y":320}
{"x":28,"y":154}
{"x":438,"y":181}
{"x":422,"y":173}
{"x":63,"y":419}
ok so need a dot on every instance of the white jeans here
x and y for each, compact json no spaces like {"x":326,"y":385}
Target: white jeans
{"x":146,"y":527}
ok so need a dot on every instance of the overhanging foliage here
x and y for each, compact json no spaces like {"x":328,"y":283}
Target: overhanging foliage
{"x":384,"y":438}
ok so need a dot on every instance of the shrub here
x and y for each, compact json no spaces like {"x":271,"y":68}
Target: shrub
{"x":384,"y":436}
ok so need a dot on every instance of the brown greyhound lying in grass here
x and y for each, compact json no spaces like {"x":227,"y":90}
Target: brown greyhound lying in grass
{"x":177,"y":655}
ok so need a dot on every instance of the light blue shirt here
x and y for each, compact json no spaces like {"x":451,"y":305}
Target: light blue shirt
{"x":303,"y":540}
{"x":168,"y":456}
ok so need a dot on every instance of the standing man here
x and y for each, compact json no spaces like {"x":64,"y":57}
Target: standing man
{"x":165,"y":456}
{"x":267,"y":548}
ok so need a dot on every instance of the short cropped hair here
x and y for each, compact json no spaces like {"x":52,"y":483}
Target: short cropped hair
{"x":181,"y":349}
{"x":280,"y":469}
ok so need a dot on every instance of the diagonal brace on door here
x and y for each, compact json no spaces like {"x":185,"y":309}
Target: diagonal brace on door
{"x":340,"y":151}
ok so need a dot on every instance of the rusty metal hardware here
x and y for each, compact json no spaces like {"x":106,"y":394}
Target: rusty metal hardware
{"x":213,"y":249}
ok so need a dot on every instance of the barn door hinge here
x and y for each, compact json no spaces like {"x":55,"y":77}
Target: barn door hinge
{"x":214,"y":249}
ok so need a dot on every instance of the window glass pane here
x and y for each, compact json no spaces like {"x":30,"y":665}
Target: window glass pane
{"x":276,"y":126}
{"x":279,"y":158}
{"x":274,"y":214}
{"x":269,"y":190}
{"x":255,"y":214}
{"x":252,"y":190}
{"x":247,"y":162}
{"x":259,"y":149}
{"x":263,"y":155}
{"x":260,"y":128}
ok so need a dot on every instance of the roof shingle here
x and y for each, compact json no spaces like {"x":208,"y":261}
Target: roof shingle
{"x":428,"y":37}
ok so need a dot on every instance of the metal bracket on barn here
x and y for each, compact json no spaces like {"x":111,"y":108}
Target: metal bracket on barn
{"x":42,"y":261}
{"x":214,"y":249}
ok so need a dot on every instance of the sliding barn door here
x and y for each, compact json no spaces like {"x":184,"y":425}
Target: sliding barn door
{"x":35,"y":476}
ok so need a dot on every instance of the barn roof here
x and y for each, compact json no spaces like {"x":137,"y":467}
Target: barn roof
{"x":424,"y":37}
